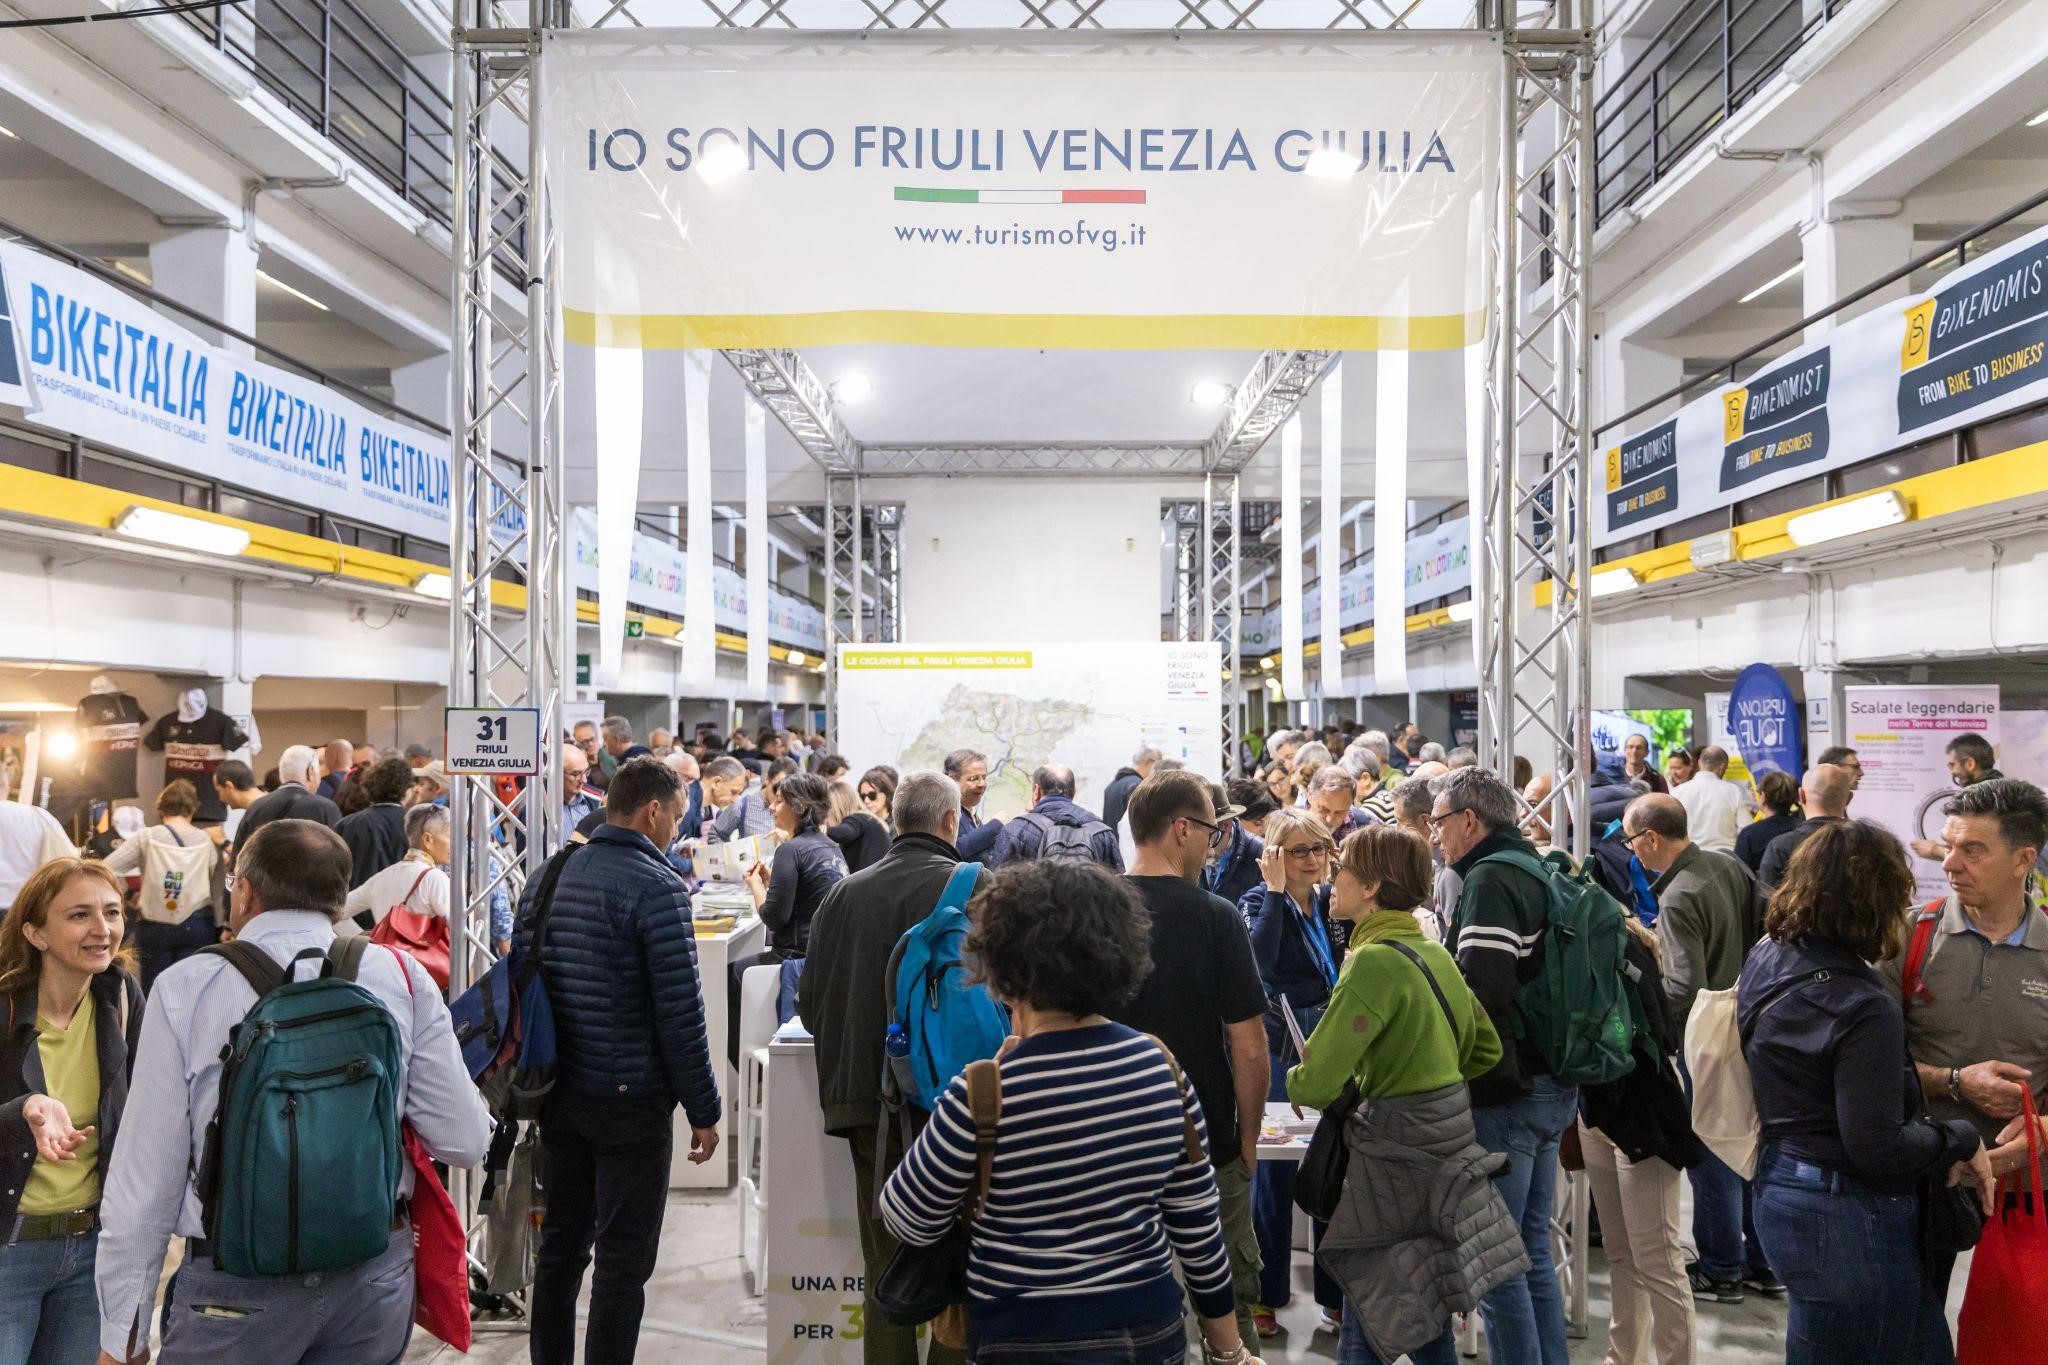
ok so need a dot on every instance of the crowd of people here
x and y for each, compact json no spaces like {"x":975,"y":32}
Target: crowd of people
{"x":1365,"y":925}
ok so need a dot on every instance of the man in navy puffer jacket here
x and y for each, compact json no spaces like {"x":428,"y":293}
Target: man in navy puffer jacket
{"x":620,"y":965}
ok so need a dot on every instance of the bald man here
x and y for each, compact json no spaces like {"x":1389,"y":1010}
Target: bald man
{"x":1824,"y":794}
{"x":335,"y":761}
{"x":1715,"y":808}
{"x":685,"y":766}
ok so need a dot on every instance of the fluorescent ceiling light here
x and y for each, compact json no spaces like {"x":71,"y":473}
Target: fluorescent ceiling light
{"x":1270,"y":662}
{"x":1209,"y":394}
{"x":1273,"y":686}
{"x":1461,"y":611}
{"x":722,"y":163}
{"x":1607,"y":582}
{"x":299,"y":294}
{"x":1869,"y":513}
{"x":434,"y":584}
{"x":131,"y":272}
{"x":1767,"y":286}
{"x":1707,"y":551}
{"x":853,"y":387}
{"x":2035,"y":122}
{"x":9,"y":132}
{"x":796,"y":658}
{"x":35,"y":708}
{"x":186,"y":533}
{"x":63,"y":744}
{"x":1329,"y":163}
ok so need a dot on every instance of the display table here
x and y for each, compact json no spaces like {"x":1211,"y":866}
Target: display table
{"x":1290,"y":1133}
{"x":812,"y":1278}
{"x":715,"y":954}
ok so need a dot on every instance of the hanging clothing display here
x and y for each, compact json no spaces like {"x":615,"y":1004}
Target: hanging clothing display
{"x":109,"y":733}
{"x":194,"y":742}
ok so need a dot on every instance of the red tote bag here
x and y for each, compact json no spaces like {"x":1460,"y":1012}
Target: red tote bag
{"x":424,"y":938}
{"x":440,"y":1266}
{"x":2008,"y":1293}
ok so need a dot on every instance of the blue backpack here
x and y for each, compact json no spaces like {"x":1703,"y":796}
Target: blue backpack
{"x":946,"y":1021}
{"x":504,"y":1024}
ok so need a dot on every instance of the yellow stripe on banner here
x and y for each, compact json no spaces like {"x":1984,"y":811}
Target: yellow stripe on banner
{"x":935,"y":659}
{"x":1060,"y":331}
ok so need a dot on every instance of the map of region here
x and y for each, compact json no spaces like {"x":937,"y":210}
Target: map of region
{"x":1019,"y":734}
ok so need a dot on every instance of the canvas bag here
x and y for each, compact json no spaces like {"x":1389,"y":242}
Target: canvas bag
{"x":177,"y":875}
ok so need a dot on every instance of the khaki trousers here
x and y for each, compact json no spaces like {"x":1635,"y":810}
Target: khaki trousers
{"x":1638,"y":1207}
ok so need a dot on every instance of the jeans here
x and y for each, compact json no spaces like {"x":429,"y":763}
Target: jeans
{"x":358,"y":1315}
{"x":49,"y":1311}
{"x":1354,"y":1349}
{"x":1723,"y":1217}
{"x":1156,"y":1343}
{"x":604,"y":1168}
{"x":882,"y":1342}
{"x":1849,"y":1256}
{"x":1273,"y":1221}
{"x":1525,"y":1315}
{"x":160,"y":945}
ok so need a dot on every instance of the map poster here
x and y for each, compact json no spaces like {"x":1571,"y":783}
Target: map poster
{"x":1088,"y":706}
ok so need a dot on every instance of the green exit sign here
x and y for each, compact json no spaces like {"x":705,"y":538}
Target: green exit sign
{"x":583,"y":670}
{"x":635,"y":629}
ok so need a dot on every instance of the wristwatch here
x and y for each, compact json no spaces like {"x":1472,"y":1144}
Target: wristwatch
{"x":1955,"y":1084}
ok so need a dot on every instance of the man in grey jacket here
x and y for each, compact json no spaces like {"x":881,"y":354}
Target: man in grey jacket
{"x":1706,"y":925}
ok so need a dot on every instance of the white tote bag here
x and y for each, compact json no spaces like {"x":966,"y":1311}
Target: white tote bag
{"x":1723,"y":1100}
{"x":177,"y":875}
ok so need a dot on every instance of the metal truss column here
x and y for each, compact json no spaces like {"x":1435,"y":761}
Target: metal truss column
{"x":886,"y":525}
{"x":1189,"y":599}
{"x":1531,"y":573}
{"x":1223,"y":604}
{"x":844,"y":619}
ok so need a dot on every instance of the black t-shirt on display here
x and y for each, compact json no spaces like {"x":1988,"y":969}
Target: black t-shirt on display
{"x":1203,"y":979}
{"x":109,"y":730}
{"x":192,"y":750}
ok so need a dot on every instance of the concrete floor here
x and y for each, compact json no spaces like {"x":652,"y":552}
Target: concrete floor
{"x":699,"y":1313}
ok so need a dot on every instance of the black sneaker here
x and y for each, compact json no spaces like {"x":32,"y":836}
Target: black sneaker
{"x":1764,"y":1283}
{"x":1707,"y":1289}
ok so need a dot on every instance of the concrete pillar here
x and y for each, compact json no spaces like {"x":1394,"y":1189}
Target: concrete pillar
{"x":1844,"y":254}
{"x":422,"y":387}
{"x":212,"y":269}
{"x":1826,"y":725}
{"x":1627,"y":373}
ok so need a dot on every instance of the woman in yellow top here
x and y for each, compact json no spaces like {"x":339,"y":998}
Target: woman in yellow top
{"x":1404,"y":1028}
{"x":73,"y":1015}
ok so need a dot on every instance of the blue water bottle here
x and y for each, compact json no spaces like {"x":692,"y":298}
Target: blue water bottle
{"x":897,"y":1047}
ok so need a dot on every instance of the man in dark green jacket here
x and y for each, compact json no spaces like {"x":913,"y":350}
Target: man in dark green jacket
{"x":841,"y":1000}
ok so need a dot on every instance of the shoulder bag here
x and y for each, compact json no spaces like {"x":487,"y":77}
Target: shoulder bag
{"x":1319,"y":1184}
{"x":929,"y":1283}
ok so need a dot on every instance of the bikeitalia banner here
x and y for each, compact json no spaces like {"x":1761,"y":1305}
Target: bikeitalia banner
{"x":1070,"y":190}
{"x":1906,"y":371}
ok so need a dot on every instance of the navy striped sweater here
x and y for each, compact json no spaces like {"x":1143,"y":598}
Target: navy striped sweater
{"x":1088,"y":1190}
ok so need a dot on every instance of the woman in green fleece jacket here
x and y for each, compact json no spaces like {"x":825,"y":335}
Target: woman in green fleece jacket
{"x":1386,"y":1027}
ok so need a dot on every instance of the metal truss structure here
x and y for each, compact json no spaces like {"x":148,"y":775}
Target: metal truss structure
{"x":1530,"y":569}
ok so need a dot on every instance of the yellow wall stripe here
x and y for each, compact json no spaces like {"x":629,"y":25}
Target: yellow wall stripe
{"x":1070,"y":331}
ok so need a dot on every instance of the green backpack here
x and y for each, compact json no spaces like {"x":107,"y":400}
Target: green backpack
{"x":302,"y":1157}
{"x":1578,"y":1009}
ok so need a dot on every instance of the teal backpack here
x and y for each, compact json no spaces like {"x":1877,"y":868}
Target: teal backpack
{"x":1578,"y":1011}
{"x":946,"y":1020}
{"x":302,"y":1158}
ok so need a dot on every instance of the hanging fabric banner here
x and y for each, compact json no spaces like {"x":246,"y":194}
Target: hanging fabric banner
{"x":1477,"y":565}
{"x":1390,"y":526}
{"x":1055,"y":190}
{"x":620,"y":386}
{"x":1292,"y":636}
{"x":760,"y":553}
{"x":1330,"y":541}
{"x":700,"y":639}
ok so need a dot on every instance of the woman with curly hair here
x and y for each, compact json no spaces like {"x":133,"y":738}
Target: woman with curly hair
{"x":1100,"y":1162}
{"x":1845,"y":1145}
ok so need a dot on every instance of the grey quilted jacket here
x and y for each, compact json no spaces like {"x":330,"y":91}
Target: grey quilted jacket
{"x":1420,"y":1232}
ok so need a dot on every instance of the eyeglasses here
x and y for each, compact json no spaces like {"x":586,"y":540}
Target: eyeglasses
{"x":1217,"y":833}
{"x":1306,"y":852}
{"x":1436,"y":821}
{"x":1628,"y":840}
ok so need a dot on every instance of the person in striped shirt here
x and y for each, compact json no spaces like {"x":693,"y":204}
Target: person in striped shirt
{"x":1100,"y":1177}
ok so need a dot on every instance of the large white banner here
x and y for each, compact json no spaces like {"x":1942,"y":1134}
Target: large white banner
{"x":1438,"y":563}
{"x":88,"y":358}
{"x":1975,"y":347}
{"x":1901,"y":736}
{"x":1063,"y":190}
{"x":656,"y":579}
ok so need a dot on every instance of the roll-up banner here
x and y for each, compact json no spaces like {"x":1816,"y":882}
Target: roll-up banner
{"x":1974,"y":347}
{"x":1061,"y":190}
{"x":82,"y":356}
{"x":1901,"y":736}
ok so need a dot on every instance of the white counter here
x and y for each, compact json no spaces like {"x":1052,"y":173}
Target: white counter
{"x":715,"y":954}
{"x":812,"y":1277}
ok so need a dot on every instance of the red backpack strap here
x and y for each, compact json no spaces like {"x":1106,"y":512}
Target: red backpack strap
{"x":1911,"y":987}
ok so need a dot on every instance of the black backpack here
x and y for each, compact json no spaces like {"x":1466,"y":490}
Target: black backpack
{"x":1064,"y":843}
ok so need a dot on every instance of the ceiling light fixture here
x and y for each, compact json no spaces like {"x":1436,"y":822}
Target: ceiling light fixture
{"x":35,"y":708}
{"x":9,"y":132}
{"x":1767,"y":286}
{"x":434,"y":584}
{"x":2035,"y":122}
{"x":1270,"y":662}
{"x":1707,"y":551}
{"x":298,"y":294}
{"x":1607,"y":582}
{"x":1210,"y":394}
{"x":1870,"y":513}
{"x":1273,"y":686}
{"x":62,"y":744}
{"x":132,"y":273}
{"x":1332,"y":163}
{"x":797,"y":659}
{"x":185,"y":533}
{"x":722,"y":163}
{"x":1461,"y":612}
{"x":853,"y":387}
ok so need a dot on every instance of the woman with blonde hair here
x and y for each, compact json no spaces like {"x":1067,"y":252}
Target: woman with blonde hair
{"x":73,"y":1017}
{"x":862,"y":837}
{"x":178,"y":863}
{"x":1297,"y":948}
